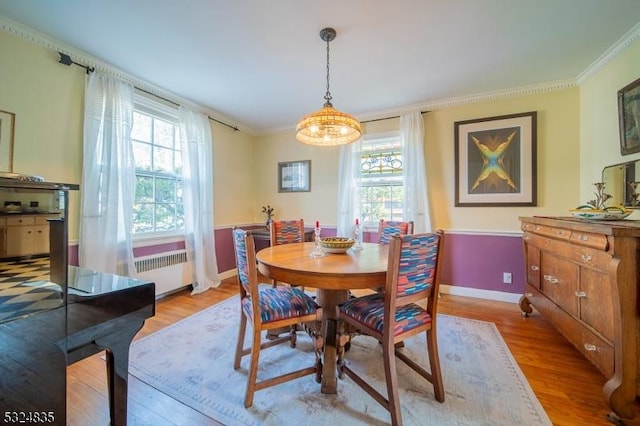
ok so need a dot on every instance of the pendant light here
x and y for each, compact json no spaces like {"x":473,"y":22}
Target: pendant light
{"x":328,"y":126}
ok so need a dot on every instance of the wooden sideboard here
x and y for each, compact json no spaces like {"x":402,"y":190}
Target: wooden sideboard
{"x":583,"y":277}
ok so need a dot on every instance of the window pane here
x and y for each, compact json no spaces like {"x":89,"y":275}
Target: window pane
{"x":144,"y":189}
{"x":158,"y":195}
{"x":165,"y":190}
{"x":142,"y":156}
{"x":142,"y":217}
{"x":165,"y":217}
{"x":382,"y":189}
{"x":163,"y":133}
{"x":163,"y":160}
{"x":141,"y":129}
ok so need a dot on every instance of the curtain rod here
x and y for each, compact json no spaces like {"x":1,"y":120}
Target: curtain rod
{"x":235,"y":129}
{"x":387,"y":118}
{"x":66,"y":60}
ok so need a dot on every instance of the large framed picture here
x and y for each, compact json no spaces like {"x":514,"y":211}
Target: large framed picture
{"x":7,"y":122}
{"x":629,"y":118}
{"x":495,"y":161}
{"x":294,"y":176}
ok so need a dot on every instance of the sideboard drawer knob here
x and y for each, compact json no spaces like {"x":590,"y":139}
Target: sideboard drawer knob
{"x":590,"y":347}
{"x":581,"y":294}
{"x":586,"y":258}
{"x":535,"y":268}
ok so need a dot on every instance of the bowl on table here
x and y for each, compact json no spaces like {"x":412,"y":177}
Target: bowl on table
{"x":336,"y":244}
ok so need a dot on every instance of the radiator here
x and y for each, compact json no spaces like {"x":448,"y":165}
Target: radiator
{"x":170,"y":271}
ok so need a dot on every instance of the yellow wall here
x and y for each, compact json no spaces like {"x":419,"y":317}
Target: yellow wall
{"x":600,"y":137}
{"x":47,"y":98}
{"x":558,"y":165}
{"x":577,"y":137}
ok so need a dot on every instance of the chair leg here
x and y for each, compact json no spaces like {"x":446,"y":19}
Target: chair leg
{"x":240,"y":343}
{"x":253,"y":369}
{"x":434,"y":362}
{"x":389,"y":358}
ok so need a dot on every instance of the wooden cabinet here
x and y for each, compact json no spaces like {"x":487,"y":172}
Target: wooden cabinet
{"x":583,"y":277}
{"x":26,"y":235}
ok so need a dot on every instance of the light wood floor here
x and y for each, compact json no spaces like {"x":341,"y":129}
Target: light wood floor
{"x":568,"y":386}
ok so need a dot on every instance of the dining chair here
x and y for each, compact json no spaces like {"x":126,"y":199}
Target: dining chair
{"x":286,"y":232}
{"x":395,"y":315}
{"x":387,"y":228}
{"x":266,"y":307}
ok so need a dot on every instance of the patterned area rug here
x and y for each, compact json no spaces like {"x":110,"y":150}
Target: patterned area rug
{"x":192,"y":361}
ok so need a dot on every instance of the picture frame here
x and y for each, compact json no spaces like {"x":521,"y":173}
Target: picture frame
{"x":495,"y":161}
{"x":7,"y":125}
{"x":294,"y":176}
{"x":629,"y":118}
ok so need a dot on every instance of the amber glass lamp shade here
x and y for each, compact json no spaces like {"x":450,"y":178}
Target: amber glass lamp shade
{"x":328,"y":127}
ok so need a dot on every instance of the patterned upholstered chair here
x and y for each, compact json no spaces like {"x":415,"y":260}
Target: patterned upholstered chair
{"x":387,"y":228}
{"x":266,"y":307}
{"x":393,"y":316}
{"x":286,"y":232}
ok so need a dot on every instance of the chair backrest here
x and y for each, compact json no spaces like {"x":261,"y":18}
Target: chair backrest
{"x":413,"y":269}
{"x":387,"y":228}
{"x":245,"y":251}
{"x":286,"y":231}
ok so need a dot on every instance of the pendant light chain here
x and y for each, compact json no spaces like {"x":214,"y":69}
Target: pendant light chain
{"x":328,"y":126}
{"x":327,"y":95}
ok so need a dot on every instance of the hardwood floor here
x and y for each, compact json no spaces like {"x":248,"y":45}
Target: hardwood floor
{"x":567,"y":385}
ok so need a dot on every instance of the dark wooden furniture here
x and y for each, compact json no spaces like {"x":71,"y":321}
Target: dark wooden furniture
{"x":583,"y":277}
{"x":103,"y":312}
{"x":333,"y":275}
{"x":53,"y":314}
{"x":412,"y":276}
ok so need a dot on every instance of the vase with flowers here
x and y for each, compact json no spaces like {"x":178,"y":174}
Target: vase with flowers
{"x":268,"y":211}
{"x":597,"y":209}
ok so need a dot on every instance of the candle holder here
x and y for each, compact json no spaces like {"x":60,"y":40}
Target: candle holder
{"x":317,"y":250}
{"x":358,"y":237}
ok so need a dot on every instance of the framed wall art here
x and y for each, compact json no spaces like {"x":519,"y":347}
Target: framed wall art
{"x":629,"y":118}
{"x":7,"y":123}
{"x":495,"y":161}
{"x":294,"y":176}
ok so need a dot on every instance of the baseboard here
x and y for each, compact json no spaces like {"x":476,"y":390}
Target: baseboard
{"x":479,"y":293}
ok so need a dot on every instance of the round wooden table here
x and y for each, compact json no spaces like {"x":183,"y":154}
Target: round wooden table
{"x":333,"y":275}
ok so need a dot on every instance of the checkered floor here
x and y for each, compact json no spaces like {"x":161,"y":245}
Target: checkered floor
{"x":25,"y":288}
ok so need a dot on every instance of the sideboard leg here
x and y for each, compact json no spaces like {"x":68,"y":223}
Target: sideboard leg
{"x":613,"y":418}
{"x":525,"y":306}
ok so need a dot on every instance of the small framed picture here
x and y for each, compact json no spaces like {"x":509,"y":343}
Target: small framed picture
{"x":294,"y":176}
{"x":495,"y":161}
{"x":629,"y":118}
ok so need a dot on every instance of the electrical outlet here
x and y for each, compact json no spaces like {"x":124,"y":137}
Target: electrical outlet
{"x":506,"y":277}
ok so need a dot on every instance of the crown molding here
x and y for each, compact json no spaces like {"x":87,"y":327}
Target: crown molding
{"x":625,"y":41}
{"x":77,"y":55}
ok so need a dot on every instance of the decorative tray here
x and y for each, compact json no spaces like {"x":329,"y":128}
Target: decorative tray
{"x":608,"y":213}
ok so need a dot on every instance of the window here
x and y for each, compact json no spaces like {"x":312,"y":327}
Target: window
{"x":382,"y":189}
{"x":158,"y":203}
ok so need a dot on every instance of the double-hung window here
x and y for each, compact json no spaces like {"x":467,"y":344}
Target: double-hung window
{"x":158,"y":206}
{"x":381,"y":179}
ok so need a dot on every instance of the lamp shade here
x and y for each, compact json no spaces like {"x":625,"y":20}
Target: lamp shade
{"x":328,"y":127}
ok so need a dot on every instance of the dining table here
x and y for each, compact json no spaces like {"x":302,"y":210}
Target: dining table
{"x":332,"y":275}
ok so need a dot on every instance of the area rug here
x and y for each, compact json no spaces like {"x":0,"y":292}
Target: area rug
{"x":192,"y":361}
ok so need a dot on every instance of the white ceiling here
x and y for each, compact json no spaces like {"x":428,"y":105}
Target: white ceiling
{"x":262,"y":64}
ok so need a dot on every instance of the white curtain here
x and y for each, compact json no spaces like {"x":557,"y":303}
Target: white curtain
{"x":349,"y":188}
{"x":197,"y":158}
{"x":108,"y":177}
{"x":416,"y":205}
